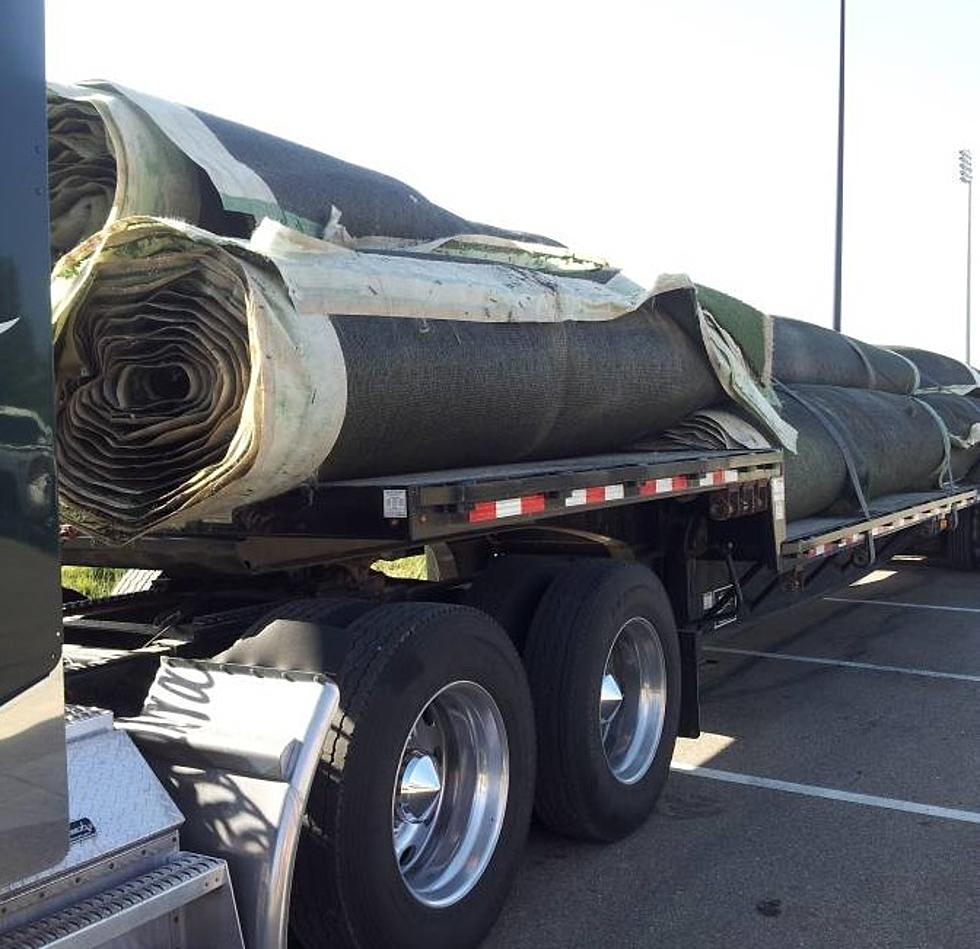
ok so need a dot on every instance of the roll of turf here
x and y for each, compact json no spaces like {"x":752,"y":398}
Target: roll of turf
{"x":938,"y":371}
{"x":453,"y":393}
{"x":115,"y":152}
{"x":197,"y":374}
{"x":961,"y":415}
{"x":807,"y":354}
{"x":81,"y":173}
{"x":816,"y":475}
{"x":896,"y":445}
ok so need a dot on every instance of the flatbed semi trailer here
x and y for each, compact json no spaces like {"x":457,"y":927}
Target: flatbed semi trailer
{"x":603,"y":574}
{"x":271,"y":743}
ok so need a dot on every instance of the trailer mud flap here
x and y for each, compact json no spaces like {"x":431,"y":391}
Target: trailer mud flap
{"x":690,"y":720}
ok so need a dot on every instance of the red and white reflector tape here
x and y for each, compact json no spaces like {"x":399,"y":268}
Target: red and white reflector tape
{"x":664,"y":485}
{"x":602,"y":494}
{"x":597,"y":495}
{"x":506,"y":507}
{"x":728,"y":476}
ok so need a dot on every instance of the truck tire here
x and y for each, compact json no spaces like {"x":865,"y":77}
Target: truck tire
{"x":963,"y":542}
{"x":420,"y":807}
{"x":510,"y":590}
{"x":603,"y":630}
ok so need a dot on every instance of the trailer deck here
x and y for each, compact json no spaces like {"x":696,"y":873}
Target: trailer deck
{"x":372,"y":516}
{"x":436,"y":504}
{"x":821,"y":536}
{"x":390,"y":515}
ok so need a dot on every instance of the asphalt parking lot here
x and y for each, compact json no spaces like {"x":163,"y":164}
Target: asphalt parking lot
{"x":830,"y":803}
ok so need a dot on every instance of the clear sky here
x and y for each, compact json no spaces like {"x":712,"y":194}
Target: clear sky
{"x":667,"y":135}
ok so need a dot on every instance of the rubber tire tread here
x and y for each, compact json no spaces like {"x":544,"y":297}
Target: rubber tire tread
{"x":321,"y":910}
{"x":576,"y":795}
{"x":511,"y":589}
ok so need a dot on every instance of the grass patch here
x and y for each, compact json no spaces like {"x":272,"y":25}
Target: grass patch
{"x":99,"y":581}
{"x":405,"y":568}
{"x":91,"y":581}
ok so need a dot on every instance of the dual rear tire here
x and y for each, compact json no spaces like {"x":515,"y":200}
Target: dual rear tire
{"x":418,"y":814}
{"x":603,"y":663}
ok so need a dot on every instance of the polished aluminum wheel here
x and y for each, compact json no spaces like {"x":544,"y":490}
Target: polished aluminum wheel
{"x":633,"y":700}
{"x":450,"y":794}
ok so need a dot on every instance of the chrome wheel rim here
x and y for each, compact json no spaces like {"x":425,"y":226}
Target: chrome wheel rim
{"x":633,"y":700}
{"x":450,"y":794}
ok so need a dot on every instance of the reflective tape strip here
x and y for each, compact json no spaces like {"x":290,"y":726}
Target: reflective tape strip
{"x":532,"y":504}
{"x":657,"y":486}
{"x":601,"y":494}
{"x":483,"y":511}
{"x":507,"y":507}
{"x":710,"y":478}
{"x":596,"y":495}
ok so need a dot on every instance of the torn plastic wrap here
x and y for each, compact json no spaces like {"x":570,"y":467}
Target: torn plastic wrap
{"x":116,"y":152}
{"x":197,"y":374}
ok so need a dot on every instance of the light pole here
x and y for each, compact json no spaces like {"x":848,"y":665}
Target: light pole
{"x":839,"y":246}
{"x":966,"y":176}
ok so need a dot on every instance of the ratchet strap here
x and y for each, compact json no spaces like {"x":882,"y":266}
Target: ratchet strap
{"x":945,"y":469}
{"x":863,"y":356}
{"x":825,"y":419}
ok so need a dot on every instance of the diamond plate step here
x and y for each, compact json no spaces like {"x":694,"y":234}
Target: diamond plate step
{"x":83,"y":720}
{"x":96,"y":921}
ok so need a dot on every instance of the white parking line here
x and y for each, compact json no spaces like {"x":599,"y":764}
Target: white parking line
{"x":846,"y":663}
{"x":914,"y":606}
{"x":831,"y":794}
